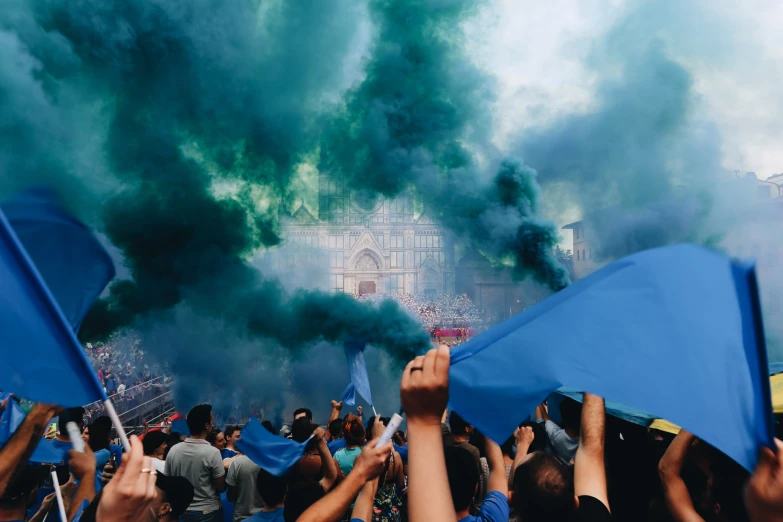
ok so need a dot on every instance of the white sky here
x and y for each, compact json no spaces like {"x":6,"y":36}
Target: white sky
{"x":733,"y":49}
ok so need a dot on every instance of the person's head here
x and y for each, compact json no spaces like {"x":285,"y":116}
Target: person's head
{"x":173,"y":495}
{"x":300,"y":498}
{"x":217,"y":439}
{"x":71,"y":415}
{"x":353,"y":432}
{"x":232,"y":434}
{"x":99,"y":433}
{"x":200,"y":420}
{"x":21,"y":493}
{"x":268,"y":425}
{"x":303,"y":412}
{"x":271,"y":488}
{"x":543,"y":488}
{"x":463,"y":476}
{"x":459,"y":426}
{"x":301,"y":429}
{"x":155,"y":443}
{"x":336,"y":429}
{"x":571,"y":413}
{"x":371,"y":423}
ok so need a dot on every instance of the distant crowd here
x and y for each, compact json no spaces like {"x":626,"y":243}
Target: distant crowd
{"x":444,"y":310}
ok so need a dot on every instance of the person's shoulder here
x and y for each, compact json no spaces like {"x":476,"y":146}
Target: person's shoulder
{"x":592,"y":510}
{"x":495,"y":507}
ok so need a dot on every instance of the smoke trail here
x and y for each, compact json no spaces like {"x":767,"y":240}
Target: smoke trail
{"x":420,"y":117}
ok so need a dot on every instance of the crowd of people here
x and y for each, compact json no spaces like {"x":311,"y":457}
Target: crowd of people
{"x":586,"y":467}
{"x":444,"y":310}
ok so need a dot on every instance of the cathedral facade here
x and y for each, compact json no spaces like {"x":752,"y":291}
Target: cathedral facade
{"x":373,"y":244}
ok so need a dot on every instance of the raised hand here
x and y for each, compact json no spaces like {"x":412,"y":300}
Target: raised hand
{"x":424,"y":390}
{"x":764,"y":492}
{"x":371,"y":462}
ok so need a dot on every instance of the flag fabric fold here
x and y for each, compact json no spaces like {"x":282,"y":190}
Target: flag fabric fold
{"x":42,"y":359}
{"x":354,"y":354}
{"x":72,"y":262}
{"x":681,"y":314}
{"x":349,"y":395}
{"x":270,"y":452}
{"x":45,"y":452}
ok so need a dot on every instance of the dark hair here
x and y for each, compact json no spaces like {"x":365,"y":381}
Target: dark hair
{"x":336,"y":428}
{"x":152,"y":441}
{"x":71,"y":415}
{"x":458,"y":425}
{"x":212,"y":436}
{"x":301,"y":429}
{"x":198,"y":418}
{"x":271,"y":488}
{"x":306,"y":411}
{"x":230,"y":429}
{"x":543,"y":488}
{"x":18,"y":491}
{"x":463,"y":476}
{"x":300,"y":498}
{"x":268,"y":425}
{"x":99,"y":433}
{"x":354,"y":432}
{"x":571,"y":413}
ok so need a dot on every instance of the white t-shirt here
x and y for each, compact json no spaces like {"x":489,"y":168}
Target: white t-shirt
{"x":200,"y":463}
{"x":159,"y":465}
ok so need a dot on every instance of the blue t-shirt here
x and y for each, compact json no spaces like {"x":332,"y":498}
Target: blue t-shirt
{"x":101,"y":458}
{"x":403,"y":451}
{"x":335,"y":445}
{"x":227,"y":453}
{"x":268,"y":516}
{"x":494,"y":509}
{"x":116,"y":450}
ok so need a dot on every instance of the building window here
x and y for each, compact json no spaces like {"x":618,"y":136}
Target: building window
{"x":583,"y":255}
{"x":396,"y":241}
{"x":398,"y":205}
{"x":336,"y":282}
{"x":427,"y":241}
{"x":336,"y":206}
{"x":590,"y":253}
{"x":336,"y":241}
{"x":397,"y":284}
{"x":379,"y":239}
{"x":577,"y":255}
{"x":336,"y":259}
{"x":397,"y":259}
{"x":576,"y":232}
{"x":351,"y":241}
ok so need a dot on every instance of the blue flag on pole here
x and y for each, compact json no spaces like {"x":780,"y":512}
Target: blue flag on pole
{"x":270,"y":452}
{"x":349,"y":395}
{"x":73,"y":264}
{"x":680,"y":315}
{"x":42,"y":359}
{"x":354,"y":354}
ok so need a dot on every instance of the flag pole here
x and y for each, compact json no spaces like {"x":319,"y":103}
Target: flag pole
{"x":59,"y":494}
{"x":375,"y":413}
{"x":115,"y":420}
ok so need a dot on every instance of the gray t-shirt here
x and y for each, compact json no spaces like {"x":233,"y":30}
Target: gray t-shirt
{"x":242,"y":474}
{"x":564,"y":446}
{"x":200,"y":463}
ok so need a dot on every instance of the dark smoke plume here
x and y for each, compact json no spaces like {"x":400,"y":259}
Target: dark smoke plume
{"x":420,"y":118}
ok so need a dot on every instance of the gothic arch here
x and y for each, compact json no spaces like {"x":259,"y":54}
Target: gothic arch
{"x":366,"y":261}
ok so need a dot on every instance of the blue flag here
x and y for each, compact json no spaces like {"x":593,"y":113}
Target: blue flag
{"x":270,"y":452}
{"x":349,"y":395}
{"x":45,"y":452}
{"x":354,"y":354}
{"x":42,"y":359}
{"x":680,"y":315}
{"x":74,"y":265}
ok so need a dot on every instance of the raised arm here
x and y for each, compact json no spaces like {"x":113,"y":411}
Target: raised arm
{"x":16,"y":453}
{"x":83,"y":468}
{"x":336,"y":407}
{"x":362,"y":508}
{"x":678,"y":500}
{"x":369,"y":464}
{"x":589,"y":467}
{"x":542,"y":412}
{"x":328,"y":464}
{"x":497,"y":468}
{"x":525,"y":437}
{"x":424,"y":392}
{"x":764,"y":492}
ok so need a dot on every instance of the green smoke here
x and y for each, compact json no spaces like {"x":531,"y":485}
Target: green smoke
{"x":420,"y":118}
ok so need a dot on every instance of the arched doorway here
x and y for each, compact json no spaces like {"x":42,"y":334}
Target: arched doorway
{"x":367,"y":287}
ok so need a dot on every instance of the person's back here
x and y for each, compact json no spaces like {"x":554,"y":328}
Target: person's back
{"x":199,"y":462}
{"x":241,"y":480}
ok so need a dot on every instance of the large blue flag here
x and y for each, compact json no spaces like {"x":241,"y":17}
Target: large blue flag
{"x":354,"y":354}
{"x":270,"y":452}
{"x":674,"y":331}
{"x":74,"y":265}
{"x":42,"y":359}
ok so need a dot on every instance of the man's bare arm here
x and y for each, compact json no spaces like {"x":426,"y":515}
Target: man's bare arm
{"x":589,"y":467}
{"x":16,"y":453}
